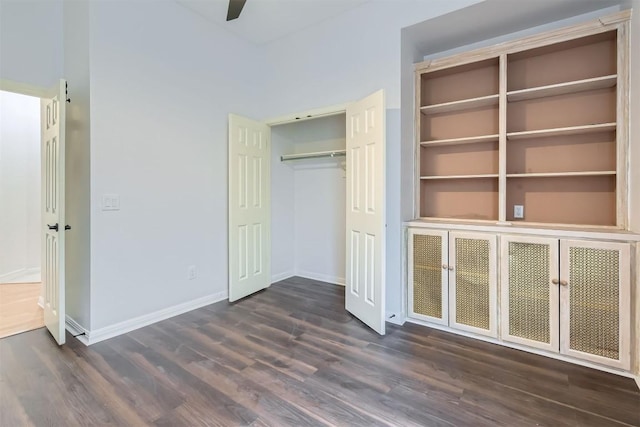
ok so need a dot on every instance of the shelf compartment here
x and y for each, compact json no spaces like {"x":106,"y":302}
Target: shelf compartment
{"x":431,"y":177}
{"x":559,"y":174}
{"x":467,"y":159}
{"x":466,"y":81}
{"x":563,"y":88}
{"x":580,"y":200}
{"x":465,"y":104}
{"x":473,"y":199}
{"x":460,"y":141}
{"x":572,"y":60}
{"x":570,"y":130}
{"x":462,"y":124}
{"x":570,"y":110}
{"x":563,"y":153}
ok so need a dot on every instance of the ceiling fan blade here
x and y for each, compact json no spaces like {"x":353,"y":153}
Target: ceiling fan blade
{"x":235,"y":7}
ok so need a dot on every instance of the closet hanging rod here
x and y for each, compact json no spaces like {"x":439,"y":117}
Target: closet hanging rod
{"x":333,"y":153}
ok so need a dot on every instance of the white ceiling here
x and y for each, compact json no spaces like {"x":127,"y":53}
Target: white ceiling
{"x":263,"y":21}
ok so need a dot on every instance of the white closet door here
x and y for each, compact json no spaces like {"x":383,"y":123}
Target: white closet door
{"x":365,"y":222}
{"x":52,"y":122}
{"x":249,"y":207}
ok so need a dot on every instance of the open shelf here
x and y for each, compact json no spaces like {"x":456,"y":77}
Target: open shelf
{"x":558,"y":174}
{"x":459,"y":176}
{"x":465,"y":104}
{"x":572,"y":60}
{"x":467,"y":81}
{"x":579,"y":200}
{"x":563,"y":88}
{"x":459,"y":141}
{"x":469,"y":199}
{"x":570,"y":130}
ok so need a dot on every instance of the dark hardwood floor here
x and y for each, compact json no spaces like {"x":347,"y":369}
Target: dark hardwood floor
{"x":291,"y":355}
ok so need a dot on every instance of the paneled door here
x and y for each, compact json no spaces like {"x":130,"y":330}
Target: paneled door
{"x":595,"y":301}
{"x":428,"y":276}
{"x":529,"y":288}
{"x":473,"y":283}
{"x":365,"y":220}
{"x":52,"y":122}
{"x":249,"y":207}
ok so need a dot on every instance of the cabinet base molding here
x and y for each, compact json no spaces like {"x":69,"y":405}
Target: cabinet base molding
{"x":556,"y":356}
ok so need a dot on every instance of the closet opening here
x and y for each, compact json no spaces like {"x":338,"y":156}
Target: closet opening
{"x":308,"y":199}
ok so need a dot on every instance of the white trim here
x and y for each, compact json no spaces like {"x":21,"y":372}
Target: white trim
{"x":41,"y":302}
{"x":637,"y":378}
{"x":24,"y":88}
{"x":524,"y":348}
{"x":316,"y":113}
{"x":282,"y":276}
{"x":321,"y":277}
{"x":101,"y":334}
{"x":77,"y":330}
{"x":508,"y":228}
{"x":396,"y":318}
{"x":13,"y":275}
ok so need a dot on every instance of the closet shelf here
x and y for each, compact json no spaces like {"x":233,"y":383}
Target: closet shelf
{"x":464,"y":104}
{"x":559,"y":174}
{"x":572,"y":130}
{"x":456,"y":141}
{"x":563,"y":88}
{"x":460,"y":176}
{"x":317,"y":154}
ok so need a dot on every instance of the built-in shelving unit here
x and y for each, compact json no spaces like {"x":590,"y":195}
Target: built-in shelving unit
{"x":522,"y":234}
{"x":533,"y":125}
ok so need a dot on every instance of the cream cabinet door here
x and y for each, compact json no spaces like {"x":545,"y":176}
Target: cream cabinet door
{"x":428,"y":275}
{"x":473,"y":283}
{"x":595,"y":296}
{"x":529,"y":282}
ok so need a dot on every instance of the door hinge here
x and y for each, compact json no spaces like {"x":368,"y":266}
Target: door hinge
{"x":66,"y":92}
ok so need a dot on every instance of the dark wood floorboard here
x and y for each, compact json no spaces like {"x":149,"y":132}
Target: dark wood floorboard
{"x":292,"y":356}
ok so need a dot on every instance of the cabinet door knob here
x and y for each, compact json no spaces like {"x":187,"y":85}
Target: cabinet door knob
{"x":555,"y":281}
{"x":444,"y":266}
{"x":564,"y":282}
{"x":451,"y":268}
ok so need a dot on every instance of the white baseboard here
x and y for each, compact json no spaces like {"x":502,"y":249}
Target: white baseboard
{"x":281,"y":276}
{"x":13,"y":276}
{"x":638,"y":380}
{"x":41,"y":302}
{"x":396,"y":318}
{"x":101,"y":334}
{"x":77,"y":330}
{"x":321,"y":277}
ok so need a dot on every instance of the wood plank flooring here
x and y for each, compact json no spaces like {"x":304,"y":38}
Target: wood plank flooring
{"x":291,"y":356}
{"x":19,"y":309}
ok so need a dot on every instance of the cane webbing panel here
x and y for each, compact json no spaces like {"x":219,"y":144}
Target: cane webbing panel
{"x":593,"y":299}
{"x":529,"y":291}
{"x":472,"y":282}
{"x":427,"y":275}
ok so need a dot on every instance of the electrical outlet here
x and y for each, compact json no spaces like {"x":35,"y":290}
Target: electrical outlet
{"x":518,"y":211}
{"x":192,"y":273}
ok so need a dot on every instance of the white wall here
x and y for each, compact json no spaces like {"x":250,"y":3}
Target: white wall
{"x":282,"y":206}
{"x":78,"y":148}
{"x":163,"y":81}
{"x":19,"y":186}
{"x":344,"y":59}
{"x":31,"y":41}
{"x":309,"y":238}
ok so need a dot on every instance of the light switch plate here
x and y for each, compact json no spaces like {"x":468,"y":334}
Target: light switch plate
{"x":110,"y":202}
{"x":518,"y":211}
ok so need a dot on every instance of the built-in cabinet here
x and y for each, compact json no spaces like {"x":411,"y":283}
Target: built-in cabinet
{"x":454,"y":279}
{"x":521,"y":231}
{"x":567,"y":296}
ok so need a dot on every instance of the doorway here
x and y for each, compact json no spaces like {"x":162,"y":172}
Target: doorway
{"x":20,"y":202}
